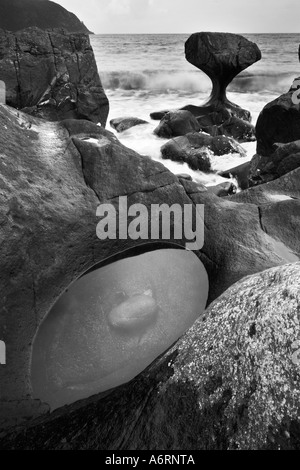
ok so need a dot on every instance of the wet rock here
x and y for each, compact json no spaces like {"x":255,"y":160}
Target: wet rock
{"x":124,"y":123}
{"x":158,"y":115}
{"x":194,"y":148}
{"x":197,"y":158}
{"x":240,"y":173}
{"x":52,"y":74}
{"x":222,"y":189}
{"x":230,"y":383}
{"x":279,"y":122}
{"x":285,"y":158}
{"x":176,"y":123}
{"x":240,"y":130}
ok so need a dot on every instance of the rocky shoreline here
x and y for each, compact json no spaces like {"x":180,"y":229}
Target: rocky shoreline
{"x":231,"y":382}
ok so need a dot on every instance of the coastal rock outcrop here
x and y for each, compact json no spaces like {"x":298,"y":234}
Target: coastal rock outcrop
{"x":44,"y":14}
{"x":52,"y":74}
{"x":278,"y":138}
{"x":54,"y":175}
{"x":230,"y":383}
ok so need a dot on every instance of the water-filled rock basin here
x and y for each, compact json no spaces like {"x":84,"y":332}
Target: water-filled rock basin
{"x":114,"y":321}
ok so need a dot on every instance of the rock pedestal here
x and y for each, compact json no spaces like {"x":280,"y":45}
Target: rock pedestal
{"x":222,"y":56}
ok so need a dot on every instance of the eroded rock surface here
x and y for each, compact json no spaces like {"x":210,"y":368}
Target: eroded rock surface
{"x":278,"y":138}
{"x":52,"y":74}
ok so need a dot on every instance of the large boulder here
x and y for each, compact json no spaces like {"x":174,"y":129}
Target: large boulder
{"x":176,"y":123}
{"x":194,"y":148}
{"x":52,"y":74}
{"x":20,"y":14}
{"x":279,"y":122}
{"x":230,"y":383}
{"x":53,"y":178}
{"x":278,"y":138}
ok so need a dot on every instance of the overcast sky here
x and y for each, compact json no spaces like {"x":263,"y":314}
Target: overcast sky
{"x":187,"y":16}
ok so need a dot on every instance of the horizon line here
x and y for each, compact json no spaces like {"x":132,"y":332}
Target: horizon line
{"x":140,"y":34}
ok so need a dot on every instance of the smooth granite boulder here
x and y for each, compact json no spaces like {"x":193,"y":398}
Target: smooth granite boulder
{"x":240,"y":173}
{"x":52,"y":74}
{"x":222,"y":56}
{"x":279,"y":121}
{"x":195,"y":148}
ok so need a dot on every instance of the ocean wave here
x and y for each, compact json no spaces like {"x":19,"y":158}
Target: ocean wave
{"x":159,"y":81}
{"x":262,"y":82}
{"x":192,"y":82}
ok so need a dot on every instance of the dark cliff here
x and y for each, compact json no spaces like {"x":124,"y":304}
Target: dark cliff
{"x":20,"y":14}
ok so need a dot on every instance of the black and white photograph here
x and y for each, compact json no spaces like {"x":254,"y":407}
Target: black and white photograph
{"x":149,"y":228}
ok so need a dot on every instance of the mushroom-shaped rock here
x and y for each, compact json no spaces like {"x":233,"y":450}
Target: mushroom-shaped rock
{"x":279,"y":121}
{"x":221,"y":56}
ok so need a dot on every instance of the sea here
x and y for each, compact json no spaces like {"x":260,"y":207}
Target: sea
{"x":143,"y":73}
